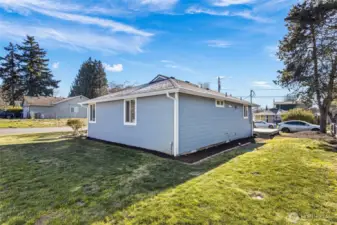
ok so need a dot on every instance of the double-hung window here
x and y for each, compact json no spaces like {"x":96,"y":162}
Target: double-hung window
{"x":92,"y":113}
{"x":130,"y":112}
{"x":245,"y":112}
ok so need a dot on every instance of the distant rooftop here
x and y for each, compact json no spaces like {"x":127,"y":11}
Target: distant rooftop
{"x":289,"y":103}
{"x":44,"y":100}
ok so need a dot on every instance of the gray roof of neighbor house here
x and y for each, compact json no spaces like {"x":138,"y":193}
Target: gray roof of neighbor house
{"x":162,"y":84}
{"x":265,"y":113}
{"x":46,"y":101}
{"x":288,"y":103}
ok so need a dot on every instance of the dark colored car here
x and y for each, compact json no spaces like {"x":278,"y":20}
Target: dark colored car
{"x":7,"y":115}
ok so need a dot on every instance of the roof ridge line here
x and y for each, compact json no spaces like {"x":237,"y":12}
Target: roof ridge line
{"x":175,"y":83}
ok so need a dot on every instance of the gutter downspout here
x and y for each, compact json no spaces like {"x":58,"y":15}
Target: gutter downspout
{"x":176,"y":122}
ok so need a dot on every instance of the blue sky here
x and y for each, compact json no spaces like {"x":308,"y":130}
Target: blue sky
{"x":138,"y":39}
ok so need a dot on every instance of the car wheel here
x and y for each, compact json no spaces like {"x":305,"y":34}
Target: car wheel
{"x":271,"y":127}
{"x":315,"y":129}
{"x":285,"y":130}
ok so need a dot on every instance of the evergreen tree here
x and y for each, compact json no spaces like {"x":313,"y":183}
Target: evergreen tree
{"x":9,"y":73}
{"x":38,"y":79}
{"x":309,"y":53}
{"x":90,"y":81}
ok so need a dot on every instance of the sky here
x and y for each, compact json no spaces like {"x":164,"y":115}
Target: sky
{"x":196,"y":41}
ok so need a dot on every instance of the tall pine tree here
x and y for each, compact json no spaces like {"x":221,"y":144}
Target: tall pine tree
{"x":38,"y":79}
{"x":12,"y":89}
{"x":309,"y":54}
{"x":90,"y":81}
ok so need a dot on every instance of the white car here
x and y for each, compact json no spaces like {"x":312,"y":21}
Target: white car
{"x":297,"y":125}
{"x":263,"y":124}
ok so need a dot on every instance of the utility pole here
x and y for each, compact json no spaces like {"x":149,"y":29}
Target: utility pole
{"x":251,"y":95}
{"x":219,"y":82}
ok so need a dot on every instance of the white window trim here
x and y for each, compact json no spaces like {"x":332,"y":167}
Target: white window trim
{"x":219,"y":106}
{"x":124,"y":108}
{"x":89,"y":114}
{"x":245,"y":117}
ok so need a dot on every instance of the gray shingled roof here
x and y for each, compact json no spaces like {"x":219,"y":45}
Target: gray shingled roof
{"x":165,"y":84}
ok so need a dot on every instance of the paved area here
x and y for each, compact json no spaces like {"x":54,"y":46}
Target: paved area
{"x":10,"y":131}
{"x":265,"y":132}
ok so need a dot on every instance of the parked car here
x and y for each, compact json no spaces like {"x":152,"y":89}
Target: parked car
{"x":297,"y":125}
{"x":263,"y":124}
{"x":7,"y":115}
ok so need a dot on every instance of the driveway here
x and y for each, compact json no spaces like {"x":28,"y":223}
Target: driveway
{"x":10,"y":131}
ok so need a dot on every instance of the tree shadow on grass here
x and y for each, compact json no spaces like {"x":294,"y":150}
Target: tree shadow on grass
{"x":81,"y":181}
{"x":328,"y":146}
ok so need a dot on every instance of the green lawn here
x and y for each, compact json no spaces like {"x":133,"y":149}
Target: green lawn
{"x":49,"y":178}
{"x":26,"y":123}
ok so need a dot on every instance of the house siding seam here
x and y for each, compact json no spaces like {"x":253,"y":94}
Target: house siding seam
{"x":154,"y":129}
{"x":201,"y":123}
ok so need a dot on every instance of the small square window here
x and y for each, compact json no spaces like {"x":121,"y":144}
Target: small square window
{"x":220,"y":103}
{"x":74,"y":109}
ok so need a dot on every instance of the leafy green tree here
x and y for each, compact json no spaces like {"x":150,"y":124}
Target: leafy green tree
{"x":11,"y":87}
{"x":90,"y":81}
{"x":309,"y":53}
{"x":38,"y":78}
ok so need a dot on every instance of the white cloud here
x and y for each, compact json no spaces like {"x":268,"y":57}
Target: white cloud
{"x":218,"y":43}
{"x":230,"y":2}
{"x":59,"y":6}
{"x":166,"y":61}
{"x":78,"y":40}
{"x":47,"y":8}
{"x":199,"y":10}
{"x":261,"y":84}
{"x":159,"y":4}
{"x":243,"y":14}
{"x":248,"y":15}
{"x":55,"y":65}
{"x":113,"y":68}
{"x":174,"y":65}
{"x":271,"y":51}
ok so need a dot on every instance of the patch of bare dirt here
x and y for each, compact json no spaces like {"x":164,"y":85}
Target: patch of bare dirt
{"x":257,"y":195}
{"x":316,"y":135}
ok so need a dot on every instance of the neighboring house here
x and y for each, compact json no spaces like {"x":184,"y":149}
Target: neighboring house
{"x":288,"y":105}
{"x":54,"y":107}
{"x":170,"y":116}
{"x":272,"y":115}
{"x":267,"y":116}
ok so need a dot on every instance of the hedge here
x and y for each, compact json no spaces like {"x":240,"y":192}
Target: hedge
{"x":299,"y":114}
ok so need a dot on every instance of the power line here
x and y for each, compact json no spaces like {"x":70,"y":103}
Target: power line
{"x":261,"y":96}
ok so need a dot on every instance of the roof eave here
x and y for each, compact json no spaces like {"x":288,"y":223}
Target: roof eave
{"x":180,"y":90}
{"x":209,"y":95}
{"x":92,"y":101}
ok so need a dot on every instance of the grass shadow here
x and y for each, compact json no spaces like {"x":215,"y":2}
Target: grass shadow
{"x":87,"y":180}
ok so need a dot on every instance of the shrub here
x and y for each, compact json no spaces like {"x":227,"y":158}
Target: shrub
{"x":299,"y":114}
{"x":75,"y":124}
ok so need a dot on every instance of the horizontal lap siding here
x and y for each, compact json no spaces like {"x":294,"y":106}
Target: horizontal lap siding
{"x":154,"y":129}
{"x":202,"y":124}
